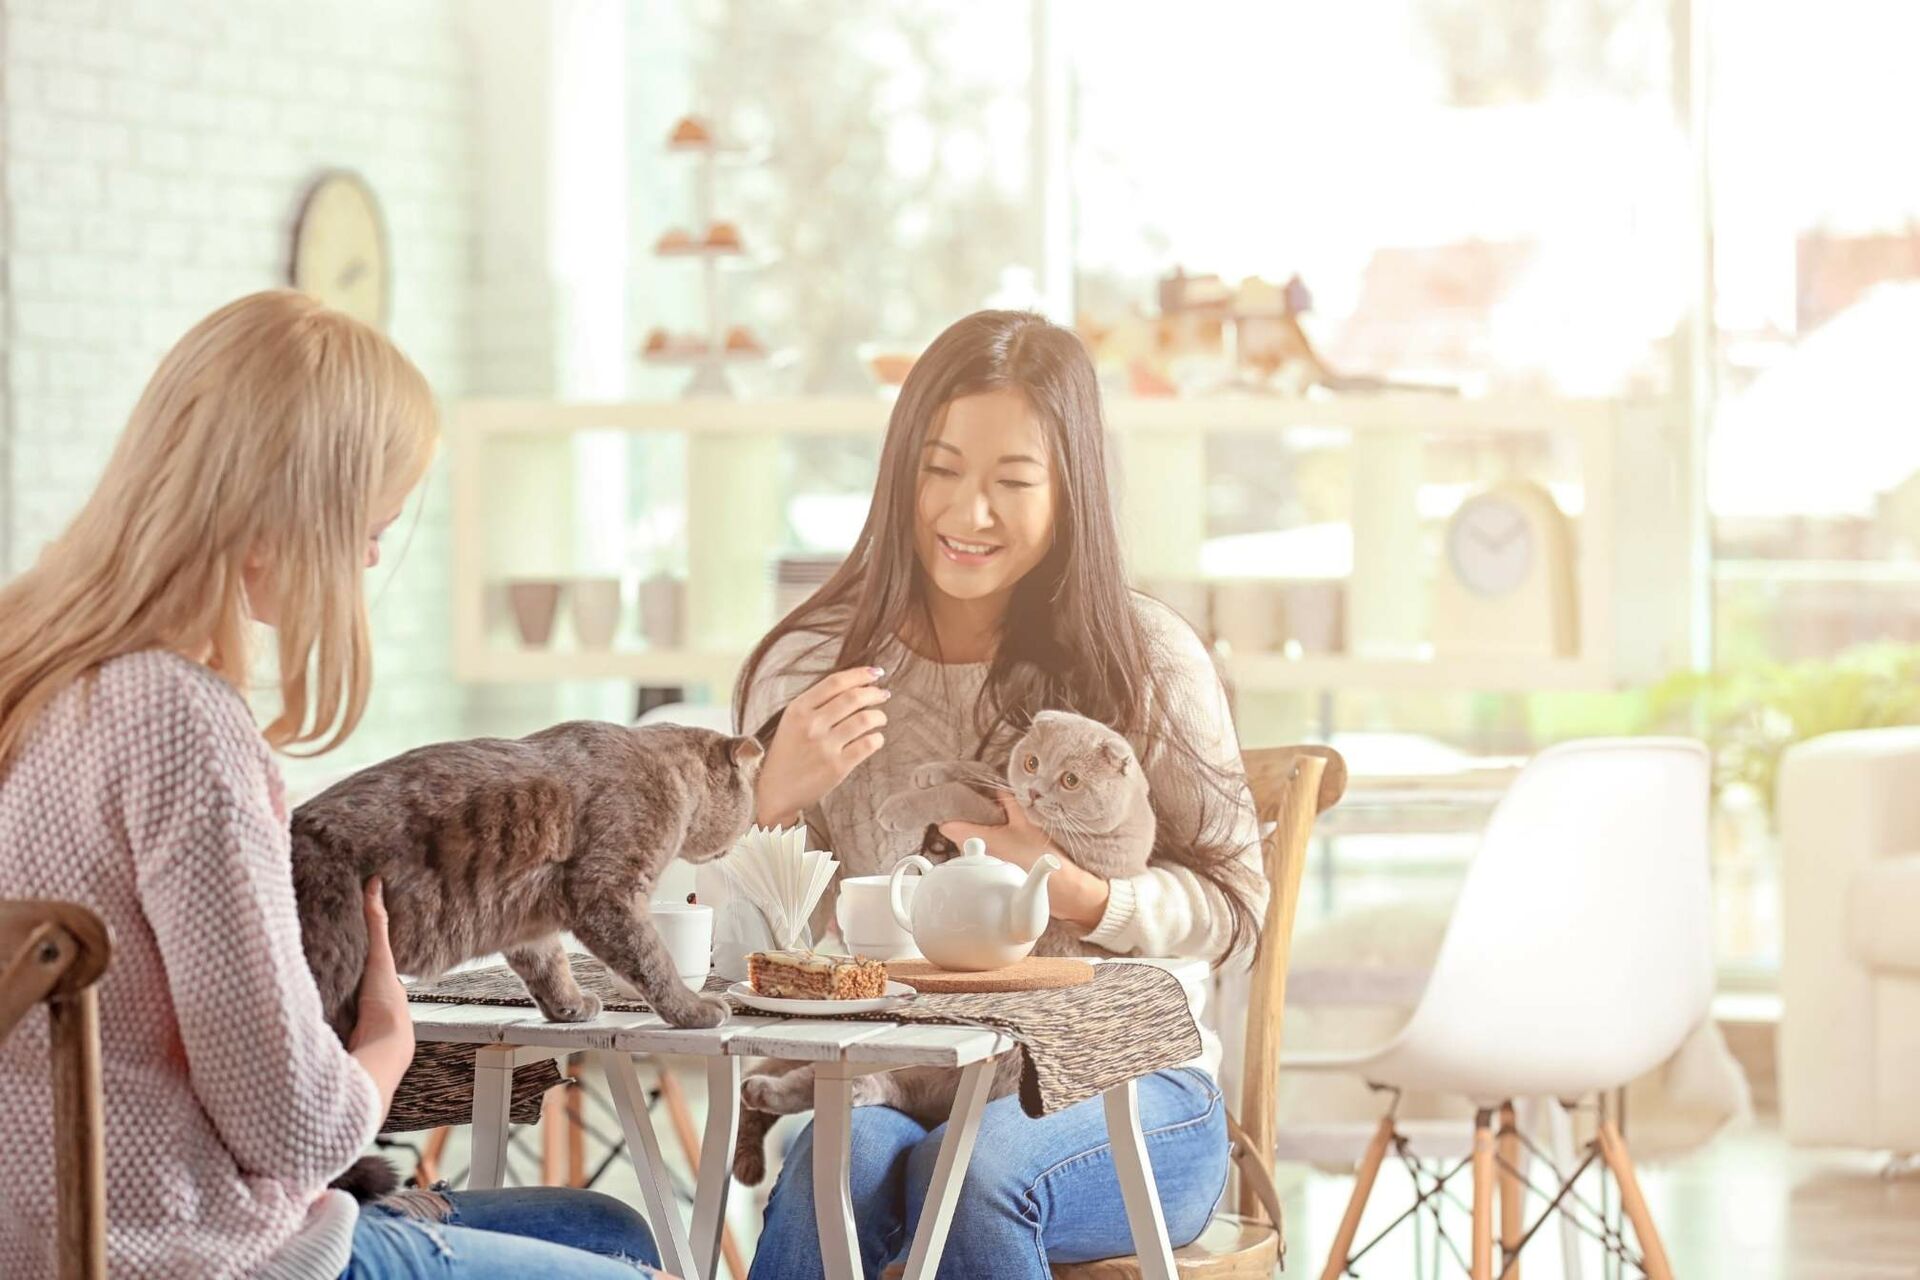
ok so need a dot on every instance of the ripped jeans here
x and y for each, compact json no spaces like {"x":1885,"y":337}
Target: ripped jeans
{"x":543,"y":1232}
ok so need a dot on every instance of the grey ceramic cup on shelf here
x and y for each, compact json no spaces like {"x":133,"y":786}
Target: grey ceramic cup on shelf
{"x":535,"y":603}
{"x":596,"y":611}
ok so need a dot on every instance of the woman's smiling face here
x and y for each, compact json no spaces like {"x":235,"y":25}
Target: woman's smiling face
{"x":986,"y":496}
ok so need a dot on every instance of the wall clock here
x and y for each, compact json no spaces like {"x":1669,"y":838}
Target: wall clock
{"x":340,"y":253}
{"x":1506,"y":585}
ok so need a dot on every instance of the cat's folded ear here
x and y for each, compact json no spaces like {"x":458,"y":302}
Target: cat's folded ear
{"x":1118,"y":756}
{"x":745,"y":750}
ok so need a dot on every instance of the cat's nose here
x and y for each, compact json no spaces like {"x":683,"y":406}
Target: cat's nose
{"x":1033,"y":797}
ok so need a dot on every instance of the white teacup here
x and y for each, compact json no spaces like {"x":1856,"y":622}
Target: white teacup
{"x":866,"y":919}
{"x":687,"y":929}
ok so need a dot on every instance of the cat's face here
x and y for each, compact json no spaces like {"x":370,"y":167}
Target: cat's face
{"x":1074,"y":775}
{"x":727,"y":809}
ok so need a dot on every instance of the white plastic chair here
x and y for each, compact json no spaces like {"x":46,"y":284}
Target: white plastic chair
{"x":1578,"y":957}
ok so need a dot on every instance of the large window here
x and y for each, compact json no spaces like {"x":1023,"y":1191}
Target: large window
{"x":1459,"y":197}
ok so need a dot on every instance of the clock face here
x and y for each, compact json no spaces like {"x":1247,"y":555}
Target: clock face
{"x":340,"y":248}
{"x":1490,"y":545}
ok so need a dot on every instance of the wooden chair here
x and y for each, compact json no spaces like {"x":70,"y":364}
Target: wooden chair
{"x":55,"y":952}
{"x":1291,"y":787}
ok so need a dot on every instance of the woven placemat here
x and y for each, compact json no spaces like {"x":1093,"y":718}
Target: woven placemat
{"x":1033,"y":973}
{"x":1075,"y":1042}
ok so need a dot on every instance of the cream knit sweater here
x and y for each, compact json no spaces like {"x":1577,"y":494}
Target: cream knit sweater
{"x":149,"y":796}
{"x":1166,"y":912}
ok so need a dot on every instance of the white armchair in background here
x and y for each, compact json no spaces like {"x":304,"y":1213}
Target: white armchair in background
{"x":1849,"y":810}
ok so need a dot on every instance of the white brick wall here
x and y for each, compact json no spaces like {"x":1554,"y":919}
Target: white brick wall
{"x":154,"y":157}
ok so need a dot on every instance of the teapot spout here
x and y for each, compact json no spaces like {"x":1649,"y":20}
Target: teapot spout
{"x":1028,"y":913}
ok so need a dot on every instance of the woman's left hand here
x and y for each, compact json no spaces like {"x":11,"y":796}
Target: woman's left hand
{"x":1077,"y":896}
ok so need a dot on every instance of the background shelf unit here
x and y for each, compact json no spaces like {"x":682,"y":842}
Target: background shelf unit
{"x":1628,"y":581}
{"x":1263,"y":673}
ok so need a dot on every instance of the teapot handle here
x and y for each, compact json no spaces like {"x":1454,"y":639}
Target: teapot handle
{"x":895,"y":884}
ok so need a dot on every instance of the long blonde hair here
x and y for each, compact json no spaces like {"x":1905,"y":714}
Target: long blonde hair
{"x":273,"y":431}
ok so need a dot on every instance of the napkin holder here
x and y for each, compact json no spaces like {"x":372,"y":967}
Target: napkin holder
{"x":739,"y":928}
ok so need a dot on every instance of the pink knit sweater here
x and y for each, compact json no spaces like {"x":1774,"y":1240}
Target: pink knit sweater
{"x":151,"y":797}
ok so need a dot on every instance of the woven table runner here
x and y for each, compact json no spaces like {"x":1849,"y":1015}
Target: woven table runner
{"x":1075,"y":1042}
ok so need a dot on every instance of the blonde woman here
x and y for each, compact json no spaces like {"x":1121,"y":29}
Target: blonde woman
{"x":273,"y":446}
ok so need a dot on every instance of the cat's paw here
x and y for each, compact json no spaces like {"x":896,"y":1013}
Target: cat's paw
{"x":875,"y":1090}
{"x":928,"y":776}
{"x":700,"y":1011}
{"x":775,"y":1095}
{"x":582,"y":1007}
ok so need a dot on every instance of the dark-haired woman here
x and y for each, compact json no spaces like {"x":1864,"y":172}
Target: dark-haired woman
{"x":988,"y":585}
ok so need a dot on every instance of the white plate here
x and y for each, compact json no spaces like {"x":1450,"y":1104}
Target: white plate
{"x":897,"y":993}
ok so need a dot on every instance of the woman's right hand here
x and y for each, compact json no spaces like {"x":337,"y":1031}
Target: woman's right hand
{"x":823,"y":734}
{"x":382,"y":1036}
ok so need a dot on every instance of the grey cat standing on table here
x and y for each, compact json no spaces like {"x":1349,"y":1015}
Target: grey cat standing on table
{"x":1082,"y":784}
{"x":502,"y":845}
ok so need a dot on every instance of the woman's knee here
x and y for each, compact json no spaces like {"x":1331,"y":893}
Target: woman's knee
{"x":597,"y":1223}
{"x":881,"y":1136}
{"x":998,"y":1184}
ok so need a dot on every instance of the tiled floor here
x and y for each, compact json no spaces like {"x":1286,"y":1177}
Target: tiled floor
{"x":1748,"y":1207}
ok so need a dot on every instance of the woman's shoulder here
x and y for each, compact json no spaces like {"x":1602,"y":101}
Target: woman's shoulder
{"x":160,"y":697}
{"x":1188,"y":681}
{"x":1171,"y":637}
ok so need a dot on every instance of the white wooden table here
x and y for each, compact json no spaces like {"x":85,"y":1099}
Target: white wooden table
{"x":513,"y":1036}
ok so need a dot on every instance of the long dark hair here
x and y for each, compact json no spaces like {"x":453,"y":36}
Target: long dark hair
{"x":1072,"y":639}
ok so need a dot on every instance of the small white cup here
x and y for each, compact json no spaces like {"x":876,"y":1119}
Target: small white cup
{"x":687,"y":929}
{"x":865,"y":913}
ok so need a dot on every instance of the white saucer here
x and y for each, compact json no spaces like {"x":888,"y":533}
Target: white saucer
{"x":897,"y":995}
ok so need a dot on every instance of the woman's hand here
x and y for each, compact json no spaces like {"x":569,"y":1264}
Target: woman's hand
{"x":382,"y":1038}
{"x":1076,"y":895}
{"x":823,"y":734}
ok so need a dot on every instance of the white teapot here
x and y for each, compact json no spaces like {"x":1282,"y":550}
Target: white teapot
{"x":974,"y":912}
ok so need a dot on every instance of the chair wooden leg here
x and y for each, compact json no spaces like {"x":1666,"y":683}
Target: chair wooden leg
{"x":556,"y":1136}
{"x":1483,"y":1195}
{"x":676,"y":1099}
{"x":1613,"y":1149}
{"x":576,"y":1119}
{"x":79,"y":1126}
{"x":1357,"y":1203}
{"x":1512,"y":1199}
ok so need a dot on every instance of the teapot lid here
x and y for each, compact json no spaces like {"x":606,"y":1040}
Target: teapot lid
{"x":973,"y":852}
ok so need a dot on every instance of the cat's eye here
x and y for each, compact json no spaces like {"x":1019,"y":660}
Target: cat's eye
{"x":1071,"y":781}
{"x":1033,"y":764}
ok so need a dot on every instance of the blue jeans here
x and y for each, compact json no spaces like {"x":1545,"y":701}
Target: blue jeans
{"x":1036,"y":1192}
{"x":510,"y":1233}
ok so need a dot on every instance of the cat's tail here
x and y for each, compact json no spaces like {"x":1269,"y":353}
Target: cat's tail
{"x":368,"y":1178}
{"x":750,"y":1148}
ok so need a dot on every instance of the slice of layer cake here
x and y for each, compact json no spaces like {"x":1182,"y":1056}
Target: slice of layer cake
{"x":807,"y":975}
